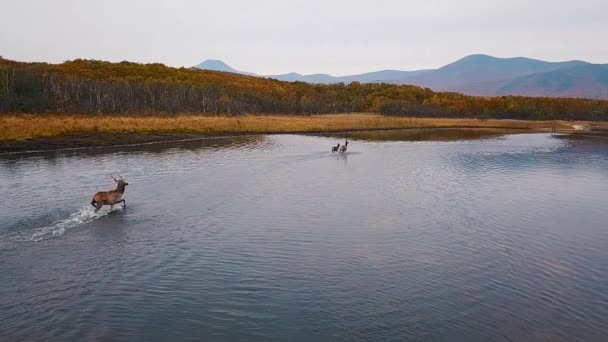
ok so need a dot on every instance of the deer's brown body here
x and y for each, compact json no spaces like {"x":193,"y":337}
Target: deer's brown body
{"x":110,"y":197}
{"x":344,"y":147}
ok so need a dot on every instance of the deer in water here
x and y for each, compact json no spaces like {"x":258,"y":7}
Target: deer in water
{"x":335,"y":149}
{"x":110,"y":197}
{"x":344,"y":147}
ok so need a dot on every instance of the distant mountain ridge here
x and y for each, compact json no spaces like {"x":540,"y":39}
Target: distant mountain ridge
{"x":483,"y":68}
{"x":479,"y":74}
{"x":217,"y":65}
{"x":584,"y":81}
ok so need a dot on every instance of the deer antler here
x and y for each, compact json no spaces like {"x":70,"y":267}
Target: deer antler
{"x":116,"y":180}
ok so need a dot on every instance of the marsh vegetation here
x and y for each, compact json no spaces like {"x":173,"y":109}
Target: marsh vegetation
{"x":22,"y":126}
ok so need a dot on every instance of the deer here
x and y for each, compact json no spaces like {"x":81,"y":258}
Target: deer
{"x":335,"y":149}
{"x":111,"y":197}
{"x":344,"y":147}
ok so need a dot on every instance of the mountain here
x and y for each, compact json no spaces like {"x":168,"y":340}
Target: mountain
{"x":490,"y":76}
{"x":589,"y":81}
{"x":217,"y":65}
{"x":483,"y":68}
{"x":477,"y":75}
{"x":386,"y":76}
{"x":314,"y":78}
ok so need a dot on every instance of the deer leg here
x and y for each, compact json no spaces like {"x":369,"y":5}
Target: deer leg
{"x":124,"y":203}
{"x":111,"y":206}
{"x":98,"y":206}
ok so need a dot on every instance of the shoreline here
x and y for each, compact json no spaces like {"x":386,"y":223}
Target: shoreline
{"x":81,"y":141}
{"x":42,"y":133}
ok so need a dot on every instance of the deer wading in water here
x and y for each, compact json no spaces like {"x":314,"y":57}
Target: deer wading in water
{"x":344,"y":147}
{"x":110,"y":197}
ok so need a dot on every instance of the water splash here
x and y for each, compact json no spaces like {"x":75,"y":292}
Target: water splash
{"x":580,"y":127}
{"x":85,"y":215}
{"x":58,"y":228}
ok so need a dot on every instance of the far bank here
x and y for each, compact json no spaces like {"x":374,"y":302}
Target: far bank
{"x":20,"y":132}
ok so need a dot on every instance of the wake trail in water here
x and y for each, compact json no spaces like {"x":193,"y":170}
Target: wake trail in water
{"x":58,"y":228}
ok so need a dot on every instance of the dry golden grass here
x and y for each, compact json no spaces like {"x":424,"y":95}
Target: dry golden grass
{"x":29,"y":126}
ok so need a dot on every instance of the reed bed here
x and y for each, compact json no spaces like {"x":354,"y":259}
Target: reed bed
{"x":31,"y":126}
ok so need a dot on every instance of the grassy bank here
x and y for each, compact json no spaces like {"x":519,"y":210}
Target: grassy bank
{"x":24,"y":126}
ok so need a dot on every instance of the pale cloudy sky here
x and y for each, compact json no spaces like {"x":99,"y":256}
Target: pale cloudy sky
{"x":277,"y":36}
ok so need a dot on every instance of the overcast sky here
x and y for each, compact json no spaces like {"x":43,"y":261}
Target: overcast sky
{"x":277,"y":36}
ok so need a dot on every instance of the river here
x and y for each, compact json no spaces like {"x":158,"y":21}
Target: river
{"x":274,"y":238}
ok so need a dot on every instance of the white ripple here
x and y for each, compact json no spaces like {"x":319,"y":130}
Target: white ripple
{"x":58,"y":228}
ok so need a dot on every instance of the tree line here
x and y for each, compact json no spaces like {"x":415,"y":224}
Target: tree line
{"x":98,"y":87}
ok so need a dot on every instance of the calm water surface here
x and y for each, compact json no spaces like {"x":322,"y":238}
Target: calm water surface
{"x":273,"y":238}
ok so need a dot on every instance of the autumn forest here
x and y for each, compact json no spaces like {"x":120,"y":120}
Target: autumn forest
{"x":97,"y":87}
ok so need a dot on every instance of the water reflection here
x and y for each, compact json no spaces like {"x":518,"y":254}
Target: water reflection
{"x":427,"y":134}
{"x":200,"y":144}
{"x":596,"y":135}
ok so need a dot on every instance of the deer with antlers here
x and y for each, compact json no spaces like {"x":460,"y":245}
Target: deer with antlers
{"x":110,"y":197}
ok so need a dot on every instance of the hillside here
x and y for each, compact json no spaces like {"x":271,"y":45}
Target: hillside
{"x":98,"y":87}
